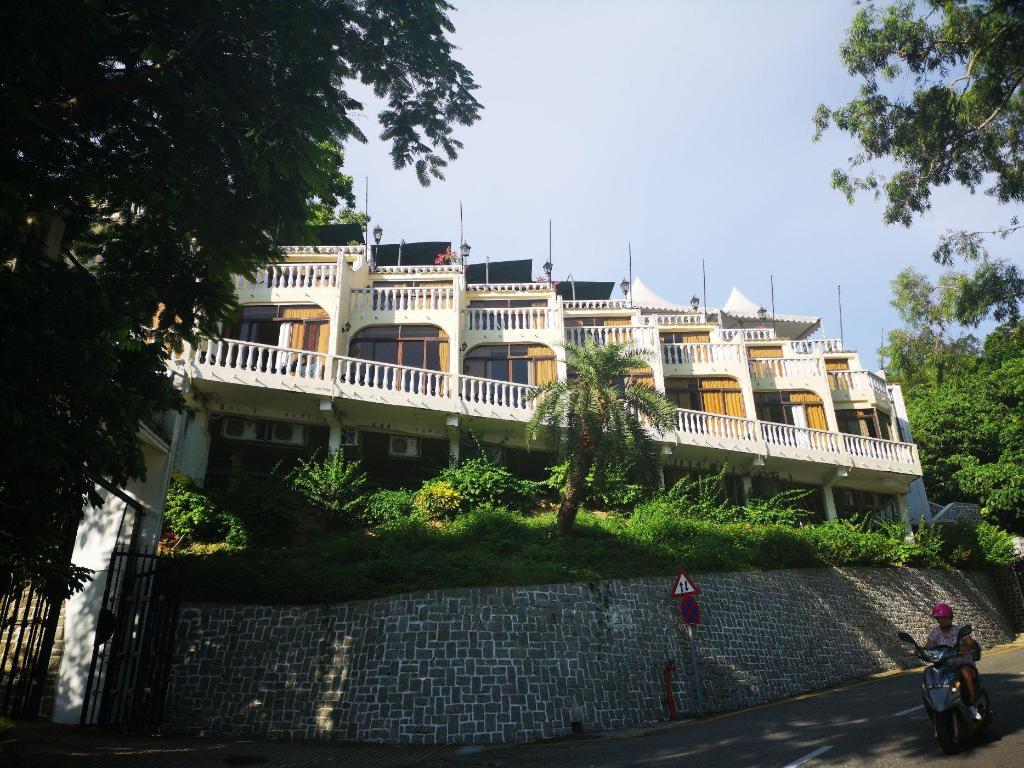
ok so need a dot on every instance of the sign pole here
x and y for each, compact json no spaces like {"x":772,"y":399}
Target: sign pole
{"x":696,"y":672}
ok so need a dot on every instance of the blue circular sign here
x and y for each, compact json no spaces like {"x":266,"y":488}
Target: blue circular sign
{"x":690,"y":611}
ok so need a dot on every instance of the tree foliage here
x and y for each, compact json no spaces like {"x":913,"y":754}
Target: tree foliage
{"x":940,"y":103}
{"x":600,"y":417}
{"x":148,"y":152}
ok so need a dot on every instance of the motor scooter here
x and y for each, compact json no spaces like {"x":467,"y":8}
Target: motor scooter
{"x":952,"y":723}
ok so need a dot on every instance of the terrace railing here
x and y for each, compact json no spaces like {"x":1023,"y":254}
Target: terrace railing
{"x":398,"y":299}
{"x":291,"y":276}
{"x":677,"y":354}
{"x":502,"y":394}
{"x":511,"y":318}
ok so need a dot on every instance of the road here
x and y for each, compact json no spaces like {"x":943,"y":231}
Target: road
{"x":867,"y":725}
{"x":871,"y":724}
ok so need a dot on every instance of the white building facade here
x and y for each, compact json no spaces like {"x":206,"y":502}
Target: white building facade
{"x":406,"y":362}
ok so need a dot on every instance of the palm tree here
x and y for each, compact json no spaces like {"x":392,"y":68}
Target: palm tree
{"x":602,"y":417}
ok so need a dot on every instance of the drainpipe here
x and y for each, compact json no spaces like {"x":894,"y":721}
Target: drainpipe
{"x":670,"y":702}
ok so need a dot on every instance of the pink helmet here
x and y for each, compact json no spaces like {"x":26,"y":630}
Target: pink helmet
{"x":941,"y":609}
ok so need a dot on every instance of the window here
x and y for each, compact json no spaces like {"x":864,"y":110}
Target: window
{"x":517,"y":363}
{"x":685,"y":337}
{"x":801,"y":409}
{"x":577,"y":322}
{"x":837,"y":364}
{"x":866,"y":422}
{"x":713,"y":394}
{"x":304,"y":327}
{"x":764,"y":353}
{"x":416,"y":346}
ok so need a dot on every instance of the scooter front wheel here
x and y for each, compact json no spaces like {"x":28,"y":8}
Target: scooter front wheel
{"x":949,"y":731}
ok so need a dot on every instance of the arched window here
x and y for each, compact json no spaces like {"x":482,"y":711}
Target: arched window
{"x":519,"y":363}
{"x":416,"y":346}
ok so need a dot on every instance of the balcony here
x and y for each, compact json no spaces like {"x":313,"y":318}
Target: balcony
{"x":288,"y":282}
{"x":746,"y":334}
{"x":787,"y":373}
{"x":493,"y":319}
{"x":508,"y":287}
{"x":367,"y":381}
{"x":603,"y":335}
{"x":816,"y":346}
{"x":859,"y":386}
{"x":378,"y":302}
{"x":702,"y":359}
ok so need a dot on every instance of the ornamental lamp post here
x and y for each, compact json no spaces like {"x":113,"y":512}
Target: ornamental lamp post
{"x":624,"y":286}
{"x":694,"y":303}
{"x":547,"y":267}
{"x":378,"y":233}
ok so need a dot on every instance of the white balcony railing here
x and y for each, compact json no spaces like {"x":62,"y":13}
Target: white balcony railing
{"x":695,"y":318}
{"x":291,"y":276}
{"x":506,"y":287}
{"x":588,"y":304}
{"x":885,"y":450}
{"x":511,"y":318}
{"x":402,"y":299}
{"x":746,"y":334}
{"x":789,"y":436}
{"x":603,"y":335}
{"x":262,"y":358}
{"x":816,"y":346}
{"x":865,"y":381}
{"x":715,"y":425}
{"x":502,"y":394}
{"x":681,"y":354}
{"x":392,"y":378}
{"x":420,"y":269}
{"x":785,"y":367}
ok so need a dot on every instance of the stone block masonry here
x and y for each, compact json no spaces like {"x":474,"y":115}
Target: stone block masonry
{"x":516,"y":664}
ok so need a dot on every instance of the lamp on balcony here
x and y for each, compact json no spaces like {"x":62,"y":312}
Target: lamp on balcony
{"x":464,"y":252}
{"x":346,"y":327}
{"x":694,"y":303}
{"x":462,"y":347}
{"x":378,"y":233}
{"x":624,"y":286}
{"x":547,"y":267}
{"x":762,"y":313}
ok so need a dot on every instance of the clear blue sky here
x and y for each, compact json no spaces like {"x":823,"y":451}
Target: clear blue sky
{"x":682,"y":127}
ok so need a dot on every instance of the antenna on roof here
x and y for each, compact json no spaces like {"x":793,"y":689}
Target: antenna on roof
{"x":704,"y":277}
{"x":366,"y":218}
{"x":462,"y":237}
{"x":839,"y":293}
{"x":771,"y":279}
{"x":630,"y":246}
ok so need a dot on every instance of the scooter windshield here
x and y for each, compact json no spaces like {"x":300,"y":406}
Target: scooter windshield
{"x":939,"y":653}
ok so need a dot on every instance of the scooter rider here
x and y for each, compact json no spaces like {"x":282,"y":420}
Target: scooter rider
{"x":946,"y":634}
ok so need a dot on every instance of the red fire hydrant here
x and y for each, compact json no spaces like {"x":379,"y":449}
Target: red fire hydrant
{"x":670,"y":702}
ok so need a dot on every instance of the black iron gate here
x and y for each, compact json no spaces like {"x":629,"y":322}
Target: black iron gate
{"x":28,"y":623}
{"x":134,"y":641}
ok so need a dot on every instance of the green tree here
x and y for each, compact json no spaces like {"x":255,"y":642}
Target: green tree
{"x":940,"y":103}
{"x":601,"y":417}
{"x":148,"y":152}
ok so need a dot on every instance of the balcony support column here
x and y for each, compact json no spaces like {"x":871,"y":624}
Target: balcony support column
{"x":830,"y":502}
{"x":454,"y":439}
{"x":903,"y":507}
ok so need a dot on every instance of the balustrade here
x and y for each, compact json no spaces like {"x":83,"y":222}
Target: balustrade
{"x":396,"y":299}
{"x":746,"y":334}
{"x":603,"y":335}
{"x":778,"y":367}
{"x":696,"y":318}
{"x":506,"y":394}
{"x":816,"y":346}
{"x":790,"y":436}
{"x":886,"y":450}
{"x":393,"y":378}
{"x":506,"y":287}
{"x":715,"y":425}
{"x":596,"y":304}
{"x":261,"y":358}
{"x":292,"y":276}
{"x":676,"y":354}
{"x":511,"y":318}
{"x":849,"y":381}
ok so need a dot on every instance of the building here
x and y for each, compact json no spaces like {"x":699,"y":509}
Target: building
{"x":406,"y":357}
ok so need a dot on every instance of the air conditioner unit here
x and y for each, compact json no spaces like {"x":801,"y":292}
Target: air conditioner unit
{"x":239,"y":429}
{"x":404,"y":447}
{"x":288,"y":434}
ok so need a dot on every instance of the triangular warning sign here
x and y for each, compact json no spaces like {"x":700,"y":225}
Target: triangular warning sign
{"x":684,"y":585}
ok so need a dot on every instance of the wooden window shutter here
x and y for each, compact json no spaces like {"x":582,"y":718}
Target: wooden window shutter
{"x":764,"y":353}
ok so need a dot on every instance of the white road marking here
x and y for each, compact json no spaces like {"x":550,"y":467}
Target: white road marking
{"x":808,"y":756}
{"x":908,"y":711}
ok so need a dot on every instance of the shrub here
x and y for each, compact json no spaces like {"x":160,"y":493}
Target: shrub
{"x":480,"y":482}
{"x":386,"y":509}
{"x":843,"y":542}
{"x":333,"y":487}
{"x":259,"y":510}
{"x":190,"y":513}
{"x":970,"y":545}
{"x":996,"y":544}
{"x":607,"y":488}
{"x":438,"y":500}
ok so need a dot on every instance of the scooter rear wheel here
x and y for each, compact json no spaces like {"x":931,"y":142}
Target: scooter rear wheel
{"x":949,"y":731}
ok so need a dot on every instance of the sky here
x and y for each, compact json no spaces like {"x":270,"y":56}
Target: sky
{"x":681,"y":128}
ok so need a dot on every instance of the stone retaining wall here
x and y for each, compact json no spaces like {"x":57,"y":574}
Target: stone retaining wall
{"x":516,"y":664}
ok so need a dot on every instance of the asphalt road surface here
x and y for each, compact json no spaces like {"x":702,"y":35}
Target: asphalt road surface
{"x":874,"y":724}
